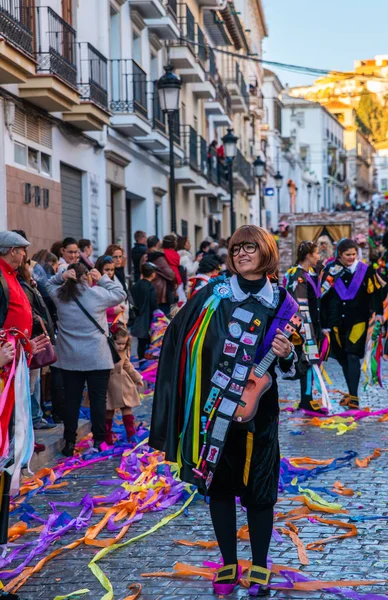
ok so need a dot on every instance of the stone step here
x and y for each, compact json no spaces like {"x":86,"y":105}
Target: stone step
{"x":53,"y":440}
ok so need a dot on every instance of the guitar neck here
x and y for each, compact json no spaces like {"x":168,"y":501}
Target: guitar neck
{"x":267,"y":361}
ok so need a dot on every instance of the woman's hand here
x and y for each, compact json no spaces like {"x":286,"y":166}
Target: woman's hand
{"x":140,"y":383}
{"x":119,"y":309}
{"x":39,"y":343}
{"x":280,"y":345}
{"x":96,"y":275}
{"x":69,"y":274}
{"x":7,"y":353}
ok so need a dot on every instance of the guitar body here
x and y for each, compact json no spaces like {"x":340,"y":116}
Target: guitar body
{"x":254,"y":389}
{"x":259,"y":380}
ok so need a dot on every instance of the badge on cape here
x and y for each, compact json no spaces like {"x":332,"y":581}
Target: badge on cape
{"x":235,"y":330}
{"x":335,"y":269}
{"x":222,"y":290}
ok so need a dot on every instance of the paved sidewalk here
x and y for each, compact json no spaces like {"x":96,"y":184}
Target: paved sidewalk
{"x":362,"y":557}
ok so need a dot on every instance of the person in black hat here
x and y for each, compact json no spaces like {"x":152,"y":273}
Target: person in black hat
{"x":209,"y":267}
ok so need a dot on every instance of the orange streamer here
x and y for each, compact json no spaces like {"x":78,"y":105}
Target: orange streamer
{"x":364,"y":462}
{"x":341,"y":490}
{"x":292,"y":532}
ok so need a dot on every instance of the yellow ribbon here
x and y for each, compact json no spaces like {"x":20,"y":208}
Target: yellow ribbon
{"x":326,"y":376}
{"x":77,"y":593}
{"x":98,"y":573}
{"x":318,"y":499}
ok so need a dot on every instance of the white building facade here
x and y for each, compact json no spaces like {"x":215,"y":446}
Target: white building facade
{"x":314,"y":141}
{"x":84,"y":149}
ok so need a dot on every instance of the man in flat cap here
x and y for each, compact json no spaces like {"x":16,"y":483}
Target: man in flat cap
{"x":15,"y":309}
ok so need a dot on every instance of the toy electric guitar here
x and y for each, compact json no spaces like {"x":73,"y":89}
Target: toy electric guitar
{"x":259,"y":380}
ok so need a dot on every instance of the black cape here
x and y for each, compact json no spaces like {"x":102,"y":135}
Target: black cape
{"x":348,"y":319}
{"x":256,"y":483}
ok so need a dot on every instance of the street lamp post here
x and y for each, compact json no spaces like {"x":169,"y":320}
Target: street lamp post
{"x":230,"y":147}
{"x":259,"y":170}
{"x":278,"y":183}
{"x":309,"y":187}
{"x":169,"y":88}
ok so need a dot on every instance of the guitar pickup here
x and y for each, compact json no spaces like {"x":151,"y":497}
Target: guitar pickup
{"x":242,"y":403}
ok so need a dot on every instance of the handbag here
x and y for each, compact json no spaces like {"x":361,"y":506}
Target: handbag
{"x":115,"y":355}
{"x":47,"y":356}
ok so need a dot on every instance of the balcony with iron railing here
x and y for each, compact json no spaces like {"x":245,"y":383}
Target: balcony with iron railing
{"x":17,"y":60}
{"x":172,"y":8}
{"x":188,"y":53}
{"x":130,"y":97}
{"x":201,"y":46}
{"x":189,"y":141}
{"x":128,"y":87}
{"x":92,"y":75}
{"x":16,"y":24}
{"x":236,"y":84}
{"x":158,"y":116}
{"x":55,"y":46}
{"x":55,"y":52}
{"x":243,"y":170}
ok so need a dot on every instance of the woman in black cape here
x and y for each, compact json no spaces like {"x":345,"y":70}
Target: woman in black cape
{"x":208,"y":353}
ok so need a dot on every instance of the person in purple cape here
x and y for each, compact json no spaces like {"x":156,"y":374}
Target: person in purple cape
{"x":350,"y":295}
{"x":303,"y":283}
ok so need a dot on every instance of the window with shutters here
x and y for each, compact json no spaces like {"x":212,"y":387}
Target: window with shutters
{"x":34,"y":128}
{"x":32,"y":142}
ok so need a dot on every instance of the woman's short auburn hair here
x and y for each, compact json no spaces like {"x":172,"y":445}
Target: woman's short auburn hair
{"x":268,"y":250}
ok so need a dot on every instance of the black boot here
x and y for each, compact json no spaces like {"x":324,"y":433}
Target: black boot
{"x":68,"y":449}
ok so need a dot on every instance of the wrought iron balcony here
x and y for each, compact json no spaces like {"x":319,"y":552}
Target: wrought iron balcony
{"x":187,"y":27}
{"x":244,"y":89}
{"x":212,"y":72}
{"x":201,"y":48}
{"x":172,"y":8}
{"x":92,"y":75}
{"x":189,"y":138}
{"x":223,"y":96}
{"x":244,"y":168}
{"x":203,"y":157}
{"x":158,"y":116}
{"x":176,"y":128}
{"x":222,"y":174}
{"x":16,"y":24}
{"x":56,"y":46}
{"x":128,"y":87}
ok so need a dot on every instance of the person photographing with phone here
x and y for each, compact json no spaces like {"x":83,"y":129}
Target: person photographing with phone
{"x":84,"y":356}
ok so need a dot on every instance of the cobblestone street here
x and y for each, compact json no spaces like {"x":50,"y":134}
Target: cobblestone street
{"x":364,"y":556}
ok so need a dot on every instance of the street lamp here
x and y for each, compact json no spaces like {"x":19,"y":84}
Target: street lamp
{"x":259,"y":170}
{"x":278,"y":183}
{"x":309,"y":187}
{"x":169,"y":88}
{"x":230,"y":147}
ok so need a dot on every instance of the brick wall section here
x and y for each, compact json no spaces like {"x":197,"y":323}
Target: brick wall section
{"x":42,"y":226}
{"x":287,"y":246}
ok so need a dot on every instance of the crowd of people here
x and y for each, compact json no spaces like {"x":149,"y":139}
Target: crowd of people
{"x":80,"y":318}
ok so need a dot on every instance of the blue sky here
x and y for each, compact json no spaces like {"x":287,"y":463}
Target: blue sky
{"x":328,"y":34}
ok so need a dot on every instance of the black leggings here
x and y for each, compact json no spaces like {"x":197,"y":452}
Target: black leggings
{"x":260,"y":523}
{"x":351,"y":367}
{"x":74,"y":383}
